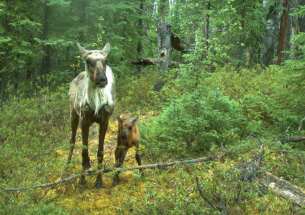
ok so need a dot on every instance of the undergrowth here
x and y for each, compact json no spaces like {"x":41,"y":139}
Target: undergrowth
{"x":195,"y":114}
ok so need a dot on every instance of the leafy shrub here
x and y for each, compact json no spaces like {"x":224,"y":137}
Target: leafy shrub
{"x":267,"y":101}
{"x":194,"y":120}
{"x":31,"y":131}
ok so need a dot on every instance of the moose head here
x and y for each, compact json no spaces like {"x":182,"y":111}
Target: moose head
{"x":95,"y":64}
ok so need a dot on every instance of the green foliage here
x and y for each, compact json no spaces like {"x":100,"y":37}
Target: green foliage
{"x":135,"y":93}
{"x":196,"y":114}
{"x":31,"y":128}
{"x":264,"y":96}
{"x":202,"y":109}
{"x":295,"y":67}
{"x":195,"y":120}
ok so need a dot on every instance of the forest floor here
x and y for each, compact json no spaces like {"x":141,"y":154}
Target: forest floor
{"x":108,"y":199}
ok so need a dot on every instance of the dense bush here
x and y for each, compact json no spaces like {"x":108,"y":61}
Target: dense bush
{"x":31,"y":131}
{"x":194,"y":120}
{"x":268,"y":101}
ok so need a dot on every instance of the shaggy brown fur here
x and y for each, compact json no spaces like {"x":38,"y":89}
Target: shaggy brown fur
{"x":128,"y":136}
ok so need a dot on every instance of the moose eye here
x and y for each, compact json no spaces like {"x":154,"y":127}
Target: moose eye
{"x":130,"y":128}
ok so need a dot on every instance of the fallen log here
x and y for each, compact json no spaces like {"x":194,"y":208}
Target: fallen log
{"x":177,"y":44}
{"x":149,"y":166}
{"x":293,"y":139}
{"x":251,"y":170}
{"x":282,"y":188}
{"x":147,"y":61}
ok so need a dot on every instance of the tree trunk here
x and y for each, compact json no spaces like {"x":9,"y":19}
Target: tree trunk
{"x":207,"y":27}
{"x":140,"y":25}
{"x":301,"y":25}
{"x":163,"y":3}
{"x":46,"y":48}
{"x":4,"y":62}
{"x":164,"y":44}
{"x":283,"y":32}
{"x":82,"y":20}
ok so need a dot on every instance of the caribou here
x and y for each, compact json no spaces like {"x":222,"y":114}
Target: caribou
{"x":92,"y":99}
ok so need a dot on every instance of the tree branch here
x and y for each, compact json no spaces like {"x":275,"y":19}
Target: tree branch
{"x":143,"y":11}
{"x":149,"y":166}
{"x":201,"y":194}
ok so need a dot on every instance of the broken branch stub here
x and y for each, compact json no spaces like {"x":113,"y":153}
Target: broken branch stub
{"x":164,"y":44}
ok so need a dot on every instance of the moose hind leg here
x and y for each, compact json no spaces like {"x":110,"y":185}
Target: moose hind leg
{"x":138,"y":159}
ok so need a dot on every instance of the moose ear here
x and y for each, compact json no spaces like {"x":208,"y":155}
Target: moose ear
{"x":106,"y":49}
{"x":135,"y":120}
{"x":119,"y":119}
{"x":83,"y":52}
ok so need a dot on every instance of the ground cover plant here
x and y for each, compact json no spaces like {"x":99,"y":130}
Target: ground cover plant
{"x":214,"y":117}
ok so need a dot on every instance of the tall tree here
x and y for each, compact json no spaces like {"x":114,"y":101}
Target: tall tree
{"x":283,"y":32}
{"x":45,"y":65}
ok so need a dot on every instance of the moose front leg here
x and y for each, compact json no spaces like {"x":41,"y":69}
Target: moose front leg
{"x":74,"y":124}
{"x":100,"y":152}
{"x":120,"y":154}
{"x":85,"y":155}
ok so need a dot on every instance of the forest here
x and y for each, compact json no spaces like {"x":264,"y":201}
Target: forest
{"x":216,"y":86}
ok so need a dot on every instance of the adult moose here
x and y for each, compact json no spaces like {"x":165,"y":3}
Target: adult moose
{"x":92,"y":99}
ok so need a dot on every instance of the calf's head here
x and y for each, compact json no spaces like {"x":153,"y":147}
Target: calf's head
{"x":126,"y":125}
{"x":95,"y":62}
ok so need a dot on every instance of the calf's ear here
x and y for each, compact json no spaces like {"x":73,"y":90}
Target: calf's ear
{"x":119,"y":119}
{"x":135,"y":120}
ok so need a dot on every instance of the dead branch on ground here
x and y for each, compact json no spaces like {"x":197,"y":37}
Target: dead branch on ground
{"x":149,"y":166}
{"x":252,"y":170}
{"x":298,"y":138}
{"x":222,"y":208}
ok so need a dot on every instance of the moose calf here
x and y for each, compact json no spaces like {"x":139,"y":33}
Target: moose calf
{"x":128,"y":136}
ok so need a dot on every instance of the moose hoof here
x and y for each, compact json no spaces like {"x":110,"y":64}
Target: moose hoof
{"x":82,"y":182}
{"x":98,"y":183}
{"x":115,"y":182}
